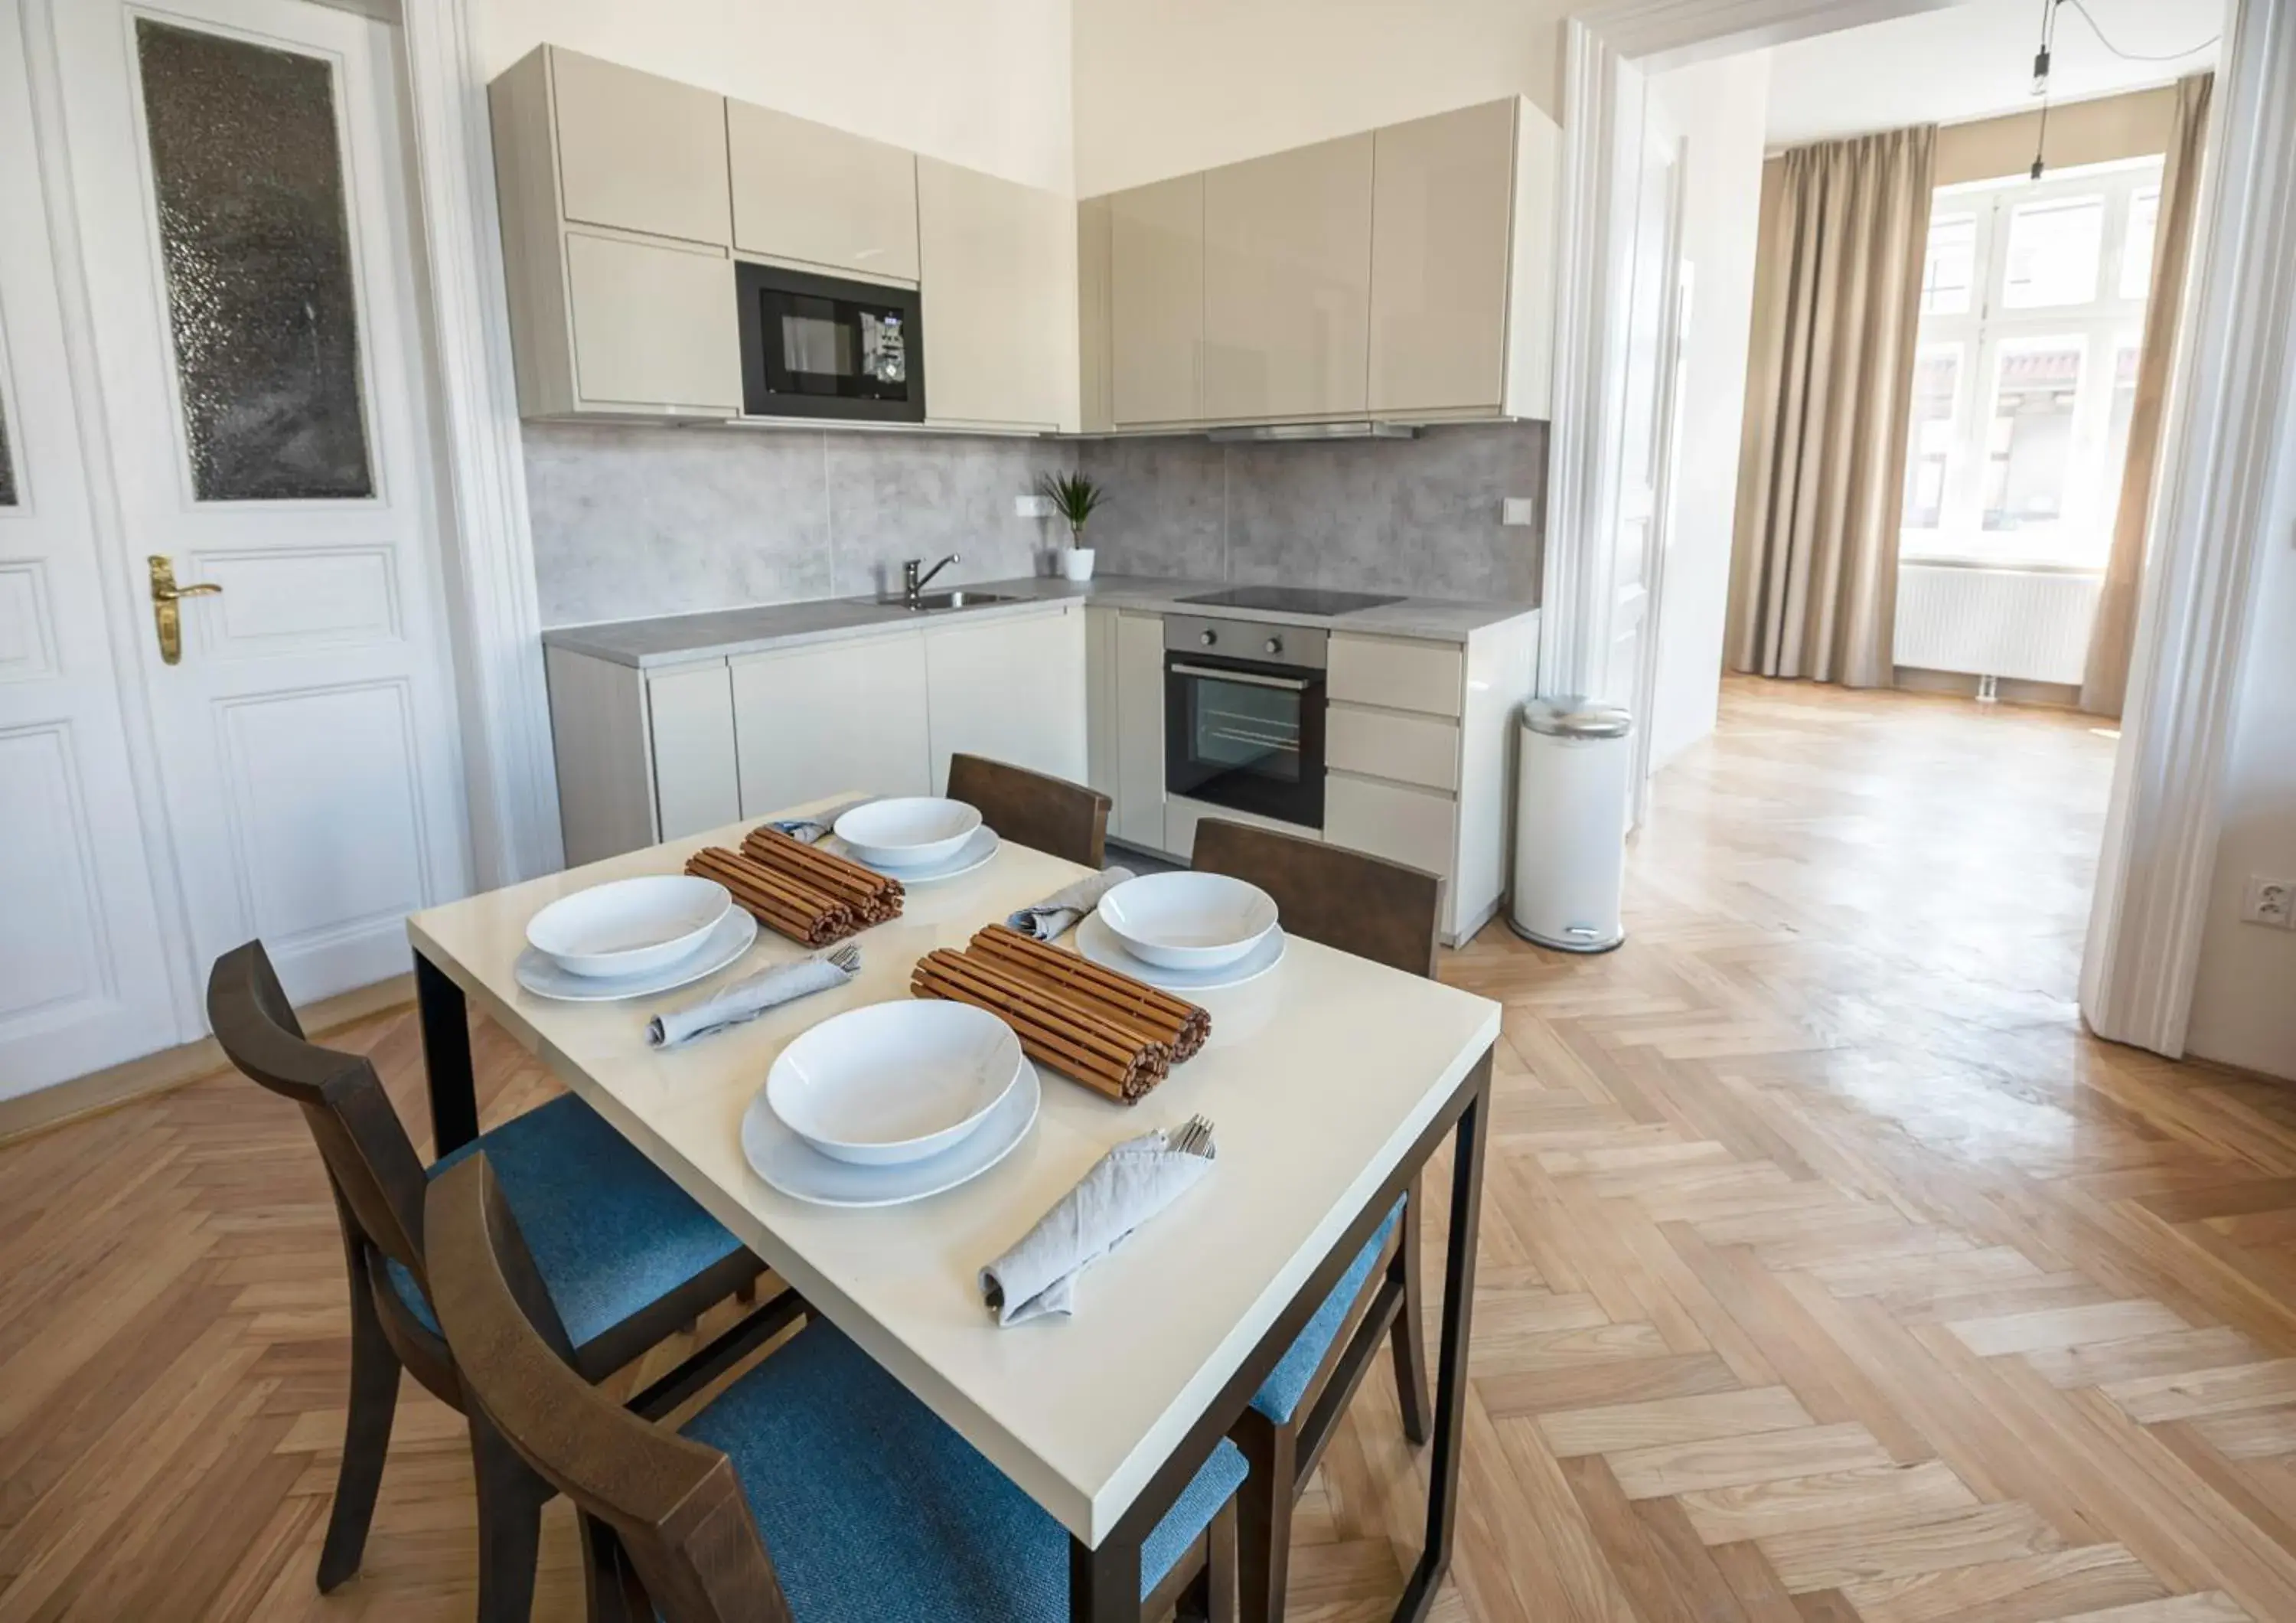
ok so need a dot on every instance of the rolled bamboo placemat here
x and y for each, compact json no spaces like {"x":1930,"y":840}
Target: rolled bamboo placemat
{"x":1119,"y":1060}
{"x":1182,"y":1025}
{"x":778,"y":900}
{"x":874,"y":896}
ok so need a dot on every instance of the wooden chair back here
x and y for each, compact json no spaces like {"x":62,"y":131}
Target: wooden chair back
{"x":1349,"y":899}
{"x":664,"y":1521}
{"x":377,"y":1176}
{"x":1050,"y":814}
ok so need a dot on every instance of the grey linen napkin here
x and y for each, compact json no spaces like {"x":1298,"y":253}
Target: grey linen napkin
{"x":1056,"y":914}
{"x":812,"y":830}
{"x":1126,"y":1187}
{"x":746,"y":1000}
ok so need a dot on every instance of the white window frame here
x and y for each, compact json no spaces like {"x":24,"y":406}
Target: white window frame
{"x":2082,"y":536}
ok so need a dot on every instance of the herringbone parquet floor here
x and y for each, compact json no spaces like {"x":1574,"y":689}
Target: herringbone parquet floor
{"x":1829,"y":1271}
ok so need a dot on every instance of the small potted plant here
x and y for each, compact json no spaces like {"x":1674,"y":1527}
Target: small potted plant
{"x":1075,"y":498}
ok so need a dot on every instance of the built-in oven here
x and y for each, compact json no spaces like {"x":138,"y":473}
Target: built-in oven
{"x":824,"y":347}
{"x":1244,"y":716}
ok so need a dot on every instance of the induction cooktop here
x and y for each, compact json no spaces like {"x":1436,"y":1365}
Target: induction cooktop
{"x":1290,"y":599}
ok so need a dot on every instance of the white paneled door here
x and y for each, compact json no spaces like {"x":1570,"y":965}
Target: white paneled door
{"x":229,"y":180}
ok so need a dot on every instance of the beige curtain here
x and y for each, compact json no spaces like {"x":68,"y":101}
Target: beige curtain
{"x":2104,"y":684}
{"x":1814,"y":586}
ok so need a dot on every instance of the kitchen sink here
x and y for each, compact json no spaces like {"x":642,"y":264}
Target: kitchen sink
{"x":928,"y":603}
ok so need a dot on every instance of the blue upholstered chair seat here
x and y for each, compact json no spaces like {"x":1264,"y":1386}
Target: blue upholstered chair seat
{"x":1279,"y":1395}
{"x":875,"y":1512}
{"x":608,"y":1232}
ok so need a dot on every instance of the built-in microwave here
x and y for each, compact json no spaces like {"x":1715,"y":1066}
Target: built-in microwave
{"x":817,"y":346}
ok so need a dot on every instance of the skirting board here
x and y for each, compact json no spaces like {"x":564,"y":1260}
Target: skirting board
{"x":119,"y":1085}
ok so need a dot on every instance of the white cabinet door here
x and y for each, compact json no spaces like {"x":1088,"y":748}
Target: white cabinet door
{"x":690,"y":716}
{"x":1156,"y":302}
{"x":639,"y":152}
{"x":1287,"y":282}
{"x":1442,"y":223}
{"x":1012,"y":690}
{"x":1100,"y":741}
{"x":1404,"y":824}
{"x":1140,"y":731}
{"x":655,"y":326}
{"x":821,"y":196}
{"x":996,"y":263}
{"x":816,"y":721}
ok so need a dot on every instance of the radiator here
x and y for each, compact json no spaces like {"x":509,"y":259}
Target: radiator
{"x":2032,"y":624}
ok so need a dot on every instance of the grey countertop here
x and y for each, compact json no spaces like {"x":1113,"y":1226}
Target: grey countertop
{"x":680,"y":638}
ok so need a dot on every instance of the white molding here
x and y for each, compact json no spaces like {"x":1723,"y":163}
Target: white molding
{"x":493,"y":609}
{"x":2228,"y":437}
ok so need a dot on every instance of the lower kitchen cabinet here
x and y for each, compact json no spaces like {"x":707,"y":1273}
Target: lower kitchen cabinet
{"x":1010,"y":688}
{"x":1139,"y":730}
{"x":813,"y":721}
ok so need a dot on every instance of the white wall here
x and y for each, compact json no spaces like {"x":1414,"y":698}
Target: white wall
{"x":2244,"y":1001}
{"x":1720,"y":107}
{"x":1165,"y":86}
{"x":984,"y":83}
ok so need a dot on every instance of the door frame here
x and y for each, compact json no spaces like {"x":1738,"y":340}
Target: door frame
{"x":2226,"y":430}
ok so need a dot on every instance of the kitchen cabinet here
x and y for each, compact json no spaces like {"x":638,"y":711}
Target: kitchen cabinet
{"x":1156,"y":302}
{"x":1182,"y":814}
{"x":620,"y":281}
{"x":817,"y":720}
{"x":807,"y":195}
{"x":1287,"y":276}
{"x":690,"y":714}
{"x":1012,"y":689}
{"x":997,"y":262}
{"x":1139,"y":730}
{"x":1394,"y":820}
{"x":1442,"y":220}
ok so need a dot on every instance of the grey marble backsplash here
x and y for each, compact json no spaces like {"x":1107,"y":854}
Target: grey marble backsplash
{"x":632,"y":521}
{"x":1420,"y":516}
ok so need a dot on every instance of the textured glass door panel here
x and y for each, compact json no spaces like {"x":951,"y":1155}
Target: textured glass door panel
{"x":250,"y":181}
{"x":7,"y":463}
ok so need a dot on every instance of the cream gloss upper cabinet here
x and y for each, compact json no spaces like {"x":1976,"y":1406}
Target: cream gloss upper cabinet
{"x":1288,"y":282}
{"x":1156,"y":302}
{"x":1462,"y":263}
{"x":997,"y":263}
{"x":616,"y":238}
{"x":807,"y":195}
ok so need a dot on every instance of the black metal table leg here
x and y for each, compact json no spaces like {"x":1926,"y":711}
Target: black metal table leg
{"x":1451,"y":1373}
{"x":445,"y":1057}
{"x":1104,"y":1584}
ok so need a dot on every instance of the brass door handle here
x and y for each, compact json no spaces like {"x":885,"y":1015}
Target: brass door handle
{"x":165,"y":595}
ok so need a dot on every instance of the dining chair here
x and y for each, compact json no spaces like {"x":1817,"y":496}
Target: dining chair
{"x":813,"y":1490}
{"x":1389,"y":914}
{"x":626,"y":1258}
{"x":1048,"y":814}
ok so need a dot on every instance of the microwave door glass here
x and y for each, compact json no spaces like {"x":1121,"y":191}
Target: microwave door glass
{"x":816,"y":350}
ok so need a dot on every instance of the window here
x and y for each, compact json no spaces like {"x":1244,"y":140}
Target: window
{"x":2033,"y":302}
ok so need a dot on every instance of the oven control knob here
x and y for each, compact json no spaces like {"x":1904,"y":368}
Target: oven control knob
{"x":1207,"y":637}
{"x":1274,"y":644}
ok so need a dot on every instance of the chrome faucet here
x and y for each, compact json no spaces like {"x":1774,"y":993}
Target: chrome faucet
{"x":912,"y":584}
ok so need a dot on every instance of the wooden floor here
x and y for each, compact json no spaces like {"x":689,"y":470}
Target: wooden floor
{"x":1829,"y":1271}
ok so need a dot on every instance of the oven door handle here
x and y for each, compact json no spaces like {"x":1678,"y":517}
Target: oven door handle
{"x":1294,"y":684}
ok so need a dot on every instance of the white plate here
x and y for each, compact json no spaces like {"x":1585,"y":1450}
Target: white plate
{"x":732,"y":937}
{"x":629,"y":927}
{"x":787,"y":1163}
{"x":909,"y":831}
{"x":1188,"y":921}
{"x":1100,"y":944}
{"x":975,"y":850}
{"x":889,"y":1083}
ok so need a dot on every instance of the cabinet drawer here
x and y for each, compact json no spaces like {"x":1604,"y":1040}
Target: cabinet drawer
{"x":1400,"y":675}
{"x":1389,"y":743}
{"x":1403,"y":825}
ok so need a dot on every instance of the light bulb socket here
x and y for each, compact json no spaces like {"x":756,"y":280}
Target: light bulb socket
{"x":2041,"y":71}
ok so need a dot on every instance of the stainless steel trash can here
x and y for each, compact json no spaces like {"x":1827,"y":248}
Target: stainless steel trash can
{"x":1570,"y":824}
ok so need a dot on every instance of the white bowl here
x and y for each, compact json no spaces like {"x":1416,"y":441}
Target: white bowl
{"x":914,"y":831}
{"x":629,"y":927}
{"x":893,"y":1082}
{"x":1188,"y":921}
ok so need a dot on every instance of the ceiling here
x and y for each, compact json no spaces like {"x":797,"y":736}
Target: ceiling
{"x":1974,"y":61}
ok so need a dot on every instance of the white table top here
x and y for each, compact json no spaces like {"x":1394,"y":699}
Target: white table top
{"x":1317,"y":1078}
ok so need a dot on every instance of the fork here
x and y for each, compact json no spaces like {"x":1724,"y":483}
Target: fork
{"x":847,"y":956}
{"x":1192,"y":1137}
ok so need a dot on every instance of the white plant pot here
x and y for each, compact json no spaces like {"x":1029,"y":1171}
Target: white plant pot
{"x":1076,"y":563}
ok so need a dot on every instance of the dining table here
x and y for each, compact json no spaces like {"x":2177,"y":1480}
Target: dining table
{"x":1331,"y":1082}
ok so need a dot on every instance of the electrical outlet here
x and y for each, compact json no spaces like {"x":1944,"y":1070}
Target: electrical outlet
{"x":1515,"y":509}
{"x":2268,"y":901}
{"x":1033,"y":506}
